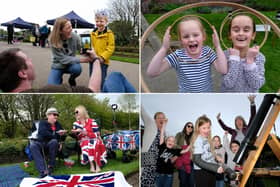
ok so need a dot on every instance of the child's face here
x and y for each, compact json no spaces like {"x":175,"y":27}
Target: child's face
{"x":192,"y":37}
{"x":234,"y":147}
{"x":205,"y":129}
{"x":100,"y":23}
{"x":170,"y":142}
{"x":216,"y":142}
{"x":241,"y":32}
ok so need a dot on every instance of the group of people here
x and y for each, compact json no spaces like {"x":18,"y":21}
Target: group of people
{"x":242,"y":66}
{"x":17,"y":72}
{"x":201,"y":160}
{"x":47,"y":136}
{"x":40,"y":35}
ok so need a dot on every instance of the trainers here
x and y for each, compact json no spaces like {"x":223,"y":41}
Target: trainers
{"x":72,"y":81}
{"x":50,"y":170}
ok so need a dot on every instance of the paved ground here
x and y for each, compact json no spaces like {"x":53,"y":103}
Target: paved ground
{"x":41,"y":58}
{"x":166,"y":82}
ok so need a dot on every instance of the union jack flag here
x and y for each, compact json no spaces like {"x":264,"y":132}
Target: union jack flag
{"x":107,"y":179}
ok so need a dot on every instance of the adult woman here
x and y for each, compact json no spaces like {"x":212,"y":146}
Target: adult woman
{"x":93,"y":149}
{"x":183,"y":163}
{"x":64,"y":45}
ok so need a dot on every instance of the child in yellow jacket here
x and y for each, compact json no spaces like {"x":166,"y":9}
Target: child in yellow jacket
{"x":103,"y":42}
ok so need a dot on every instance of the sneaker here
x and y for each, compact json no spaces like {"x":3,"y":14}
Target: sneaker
{"x":72,"y":81}
{"x":50,"y":170}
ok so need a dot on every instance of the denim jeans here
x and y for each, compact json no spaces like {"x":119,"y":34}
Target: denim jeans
{"x":104,"y":68}
{"x":185,"y":178}
{"x":117,"y":83}
{"x":55,"y":76}
{"x":164,"y":180}
{"x":220,"y":183}
{"x":38,"y":153}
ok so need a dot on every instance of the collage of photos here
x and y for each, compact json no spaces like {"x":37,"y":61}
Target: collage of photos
{"x":140,"y":93}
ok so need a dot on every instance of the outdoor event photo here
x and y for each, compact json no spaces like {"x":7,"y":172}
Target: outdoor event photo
{"x":69,"y":46}
{"x":211,"y":46}
{"x":69,"y":140}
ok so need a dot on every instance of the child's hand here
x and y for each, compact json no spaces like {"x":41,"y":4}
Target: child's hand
{"x":218,"y":116}
{"x":166,"y":39}
{"x":215,"y":38}
{"x":220,"y":170}
{"x":252,"y":53}
{"x":234,"y":52}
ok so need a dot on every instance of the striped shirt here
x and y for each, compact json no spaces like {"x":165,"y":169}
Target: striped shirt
{"x":193,"y":75}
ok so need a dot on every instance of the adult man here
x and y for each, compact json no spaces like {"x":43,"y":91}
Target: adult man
{"x":50,"y":133}
{"x":10,"y":30}
{"x":17,"y":74}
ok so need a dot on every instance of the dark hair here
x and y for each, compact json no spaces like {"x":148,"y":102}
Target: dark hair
{"x":242,"y":119}
{"x":187,"y":136}
{"x":253,"y":21}
{"x":157,"y":113}
{"x":234,"y":141}
{"x":10,"y":65}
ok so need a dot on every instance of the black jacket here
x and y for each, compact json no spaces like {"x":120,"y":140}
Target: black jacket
{"x":45,"y":132}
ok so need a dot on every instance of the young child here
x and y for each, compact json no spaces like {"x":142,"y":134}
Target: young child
{"x":205,"y":166}
{"x":103,"y":42}
{"x":193,"y":61}
{"x":166,"y":159}
{"x":219,"y":151}
{"x":245,"y":64}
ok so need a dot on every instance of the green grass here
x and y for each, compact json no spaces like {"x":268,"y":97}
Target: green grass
{"x":112,"y":165}
{"x":271,"y":49}
{"x":125,"y":59}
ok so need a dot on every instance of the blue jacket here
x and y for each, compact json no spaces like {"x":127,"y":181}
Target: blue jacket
{"x":45,"y":133}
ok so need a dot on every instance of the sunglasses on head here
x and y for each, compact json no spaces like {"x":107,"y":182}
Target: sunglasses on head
{"x":190,"y":126}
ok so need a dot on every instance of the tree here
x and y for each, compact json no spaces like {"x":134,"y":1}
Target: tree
{"x":128,"y":105}
{"x":124,"y":33}
{"x":126,"y":11}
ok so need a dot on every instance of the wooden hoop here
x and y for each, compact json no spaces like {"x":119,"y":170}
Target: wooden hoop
{"x":235,"y":13}
{"x":201,"y":4}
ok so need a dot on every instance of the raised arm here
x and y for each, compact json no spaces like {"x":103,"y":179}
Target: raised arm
{"x":158,"y":63}
{"x":162,"y":132}
{"x":253,"y":109}
{"x":223,"y":125}
{"x":221,"y":62}
{"x":226,"y":142}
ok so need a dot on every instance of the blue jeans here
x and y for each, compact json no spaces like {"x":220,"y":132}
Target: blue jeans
{"x":117,"y":83}
{"x":220,"y":183}
{"x":55,"y":76}
{"x":164,"y":180}
{"x":104,"y":68}
{"x":185,"y":178}
{"x":38,"y":153}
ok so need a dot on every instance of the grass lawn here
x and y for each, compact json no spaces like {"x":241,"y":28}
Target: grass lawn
{"x":125,"y":59}
{"x":271,"y":49}
{"x":113,"y":164}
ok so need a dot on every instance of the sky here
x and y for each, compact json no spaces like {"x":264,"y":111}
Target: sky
{"x":181,"y":108}
{"x":38,"y":11}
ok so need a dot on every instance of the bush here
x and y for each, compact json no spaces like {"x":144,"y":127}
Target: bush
{"x":12,"y":150}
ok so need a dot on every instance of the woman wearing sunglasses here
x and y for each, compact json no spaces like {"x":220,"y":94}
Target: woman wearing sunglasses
{"x":64,"y":45}
{"x":183,"y":163}
{"x":88,"y":134}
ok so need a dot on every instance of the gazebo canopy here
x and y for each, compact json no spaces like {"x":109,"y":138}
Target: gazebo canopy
{"x":76,"y":20}
{"x":19,"y":23}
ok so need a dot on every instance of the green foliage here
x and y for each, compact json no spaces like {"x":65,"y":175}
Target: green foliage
{"x":267,"y":5}
{"x":125,"y":59}
{"x":124,"y":33}
{"x":127,"y":49}
{"x":12,"y":150}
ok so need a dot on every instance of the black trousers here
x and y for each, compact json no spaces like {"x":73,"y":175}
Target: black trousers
{"x":204,"y":178}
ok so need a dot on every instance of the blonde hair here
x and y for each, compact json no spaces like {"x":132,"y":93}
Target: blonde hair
{"x":55,"y":36}
{"x":101,"y":14}
{"x":191,"y":19}
{"x":83,"y":111}
{"x":199,"y":122}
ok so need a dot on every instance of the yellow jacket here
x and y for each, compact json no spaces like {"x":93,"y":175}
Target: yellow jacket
{"x":103,"y":44}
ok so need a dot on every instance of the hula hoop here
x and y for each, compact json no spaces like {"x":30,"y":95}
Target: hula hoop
{"x":201,"y":4}
{"x":235,"y":13}
{"x":185,"y":16}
